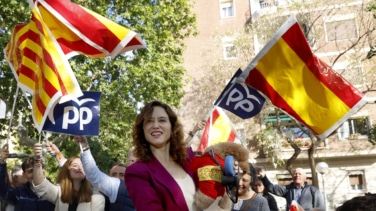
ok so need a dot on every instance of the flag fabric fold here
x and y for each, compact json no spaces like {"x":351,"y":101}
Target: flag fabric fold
{"x":240,"y":99}
{"x":218,"y":129}
{"x":86,"y":32}
{"x":38,"y":52}
{"x":298,"y":82}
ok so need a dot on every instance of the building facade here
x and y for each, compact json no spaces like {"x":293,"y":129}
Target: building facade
{"x":339,"y":32}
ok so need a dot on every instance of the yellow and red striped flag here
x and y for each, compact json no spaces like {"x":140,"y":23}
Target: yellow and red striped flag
{"x":295,"y":80}
{"x":82,"y":31}
{"x":40,"y":67}
{"x":38,"y":52}
{"x":218,"y":129}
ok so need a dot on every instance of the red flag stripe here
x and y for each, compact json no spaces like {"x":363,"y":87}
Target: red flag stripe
{"x":88,"y":50}
{"x":65,"y":9}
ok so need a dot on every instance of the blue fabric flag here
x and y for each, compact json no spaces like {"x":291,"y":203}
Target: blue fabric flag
{"x":240,"y":99}
{"x":77,"y":117}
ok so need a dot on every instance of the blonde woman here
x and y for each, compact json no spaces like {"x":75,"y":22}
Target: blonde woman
{"x":73,"y":192}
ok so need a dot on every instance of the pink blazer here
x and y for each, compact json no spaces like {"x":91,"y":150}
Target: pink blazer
{"x":151,"y":187}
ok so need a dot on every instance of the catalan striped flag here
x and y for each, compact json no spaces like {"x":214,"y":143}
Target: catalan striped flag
{"x":81,"y":31}
{"x":218,"y":129}
{"x":295,"y":80}
{"x":40,"y":67}
{"x":38,"y":52}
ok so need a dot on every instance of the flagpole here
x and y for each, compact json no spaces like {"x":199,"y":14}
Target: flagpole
{"x":11,"y":115}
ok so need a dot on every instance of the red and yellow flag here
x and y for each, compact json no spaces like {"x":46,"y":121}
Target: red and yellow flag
{"x":295,"y":80}
{"x":38,"y":52}
{"x":40,"y":66}
{"x":218,"y":129}
{"x":82,"y":31}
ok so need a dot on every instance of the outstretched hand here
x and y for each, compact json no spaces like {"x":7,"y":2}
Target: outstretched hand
{"x":81,"y":140}
{"x":52,"y":149}
{"x":4,"y":153}
{"x":260,"y":172}
{"x":199,"y":126}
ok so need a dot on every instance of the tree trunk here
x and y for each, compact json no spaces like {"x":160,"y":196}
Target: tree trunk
{"x":312,"y":163}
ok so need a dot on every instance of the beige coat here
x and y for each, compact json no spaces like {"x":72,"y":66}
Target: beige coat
{"x":52,"y":193}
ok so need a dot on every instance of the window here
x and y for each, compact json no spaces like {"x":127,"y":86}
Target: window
{"x":354,"y":127}
{"x":356,"y":180}
{"x":227,"y":9}
{"x":229,"y":49}
{"x":341,"y":28}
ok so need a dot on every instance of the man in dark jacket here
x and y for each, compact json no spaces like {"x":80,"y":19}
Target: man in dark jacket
{"x":22,"y":197}
{"x":307,"y":196}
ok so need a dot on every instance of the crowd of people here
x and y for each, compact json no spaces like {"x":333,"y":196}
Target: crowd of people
{"x":156,"y":177}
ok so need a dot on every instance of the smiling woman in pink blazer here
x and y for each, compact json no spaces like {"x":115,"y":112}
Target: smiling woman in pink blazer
{"x":160,"y":180}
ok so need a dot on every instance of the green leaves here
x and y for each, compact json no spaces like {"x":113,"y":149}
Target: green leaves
{"x":126,"y":81}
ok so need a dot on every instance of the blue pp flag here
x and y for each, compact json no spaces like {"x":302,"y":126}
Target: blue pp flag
{"x":76,"y":117}
{"x":240,"y":99}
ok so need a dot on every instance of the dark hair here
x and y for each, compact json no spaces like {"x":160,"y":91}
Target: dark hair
{"x":252,"y":171}
{"x":265,"y":191}
{"x":142,"y":147}
{"x":359,"y":203}
{"x":119,"y":163}
{"x":29,"y":162}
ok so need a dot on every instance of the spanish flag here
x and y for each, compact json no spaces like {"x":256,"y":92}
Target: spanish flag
{"x":298,"y":82}
{"x":218,"y":129}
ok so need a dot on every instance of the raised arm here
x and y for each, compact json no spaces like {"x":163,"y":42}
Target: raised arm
{"x":198,"y":126}
{"x":54,"y":151}
{"x":38,"y":176}
{"x":272,"y":188}
{"x":42,"y":186}
{"x":109,"y":186}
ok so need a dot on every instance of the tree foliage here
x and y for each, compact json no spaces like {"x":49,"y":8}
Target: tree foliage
{"x":126,"y":82}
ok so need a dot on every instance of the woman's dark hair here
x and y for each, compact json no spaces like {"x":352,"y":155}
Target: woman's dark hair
{"x":265,"y":191}
{"x":142,"y":147}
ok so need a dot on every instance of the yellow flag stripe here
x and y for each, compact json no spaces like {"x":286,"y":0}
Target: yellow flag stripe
{"x":292,"y":69}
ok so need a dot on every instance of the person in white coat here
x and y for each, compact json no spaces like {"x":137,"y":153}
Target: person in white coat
{"x":73,"y":192}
